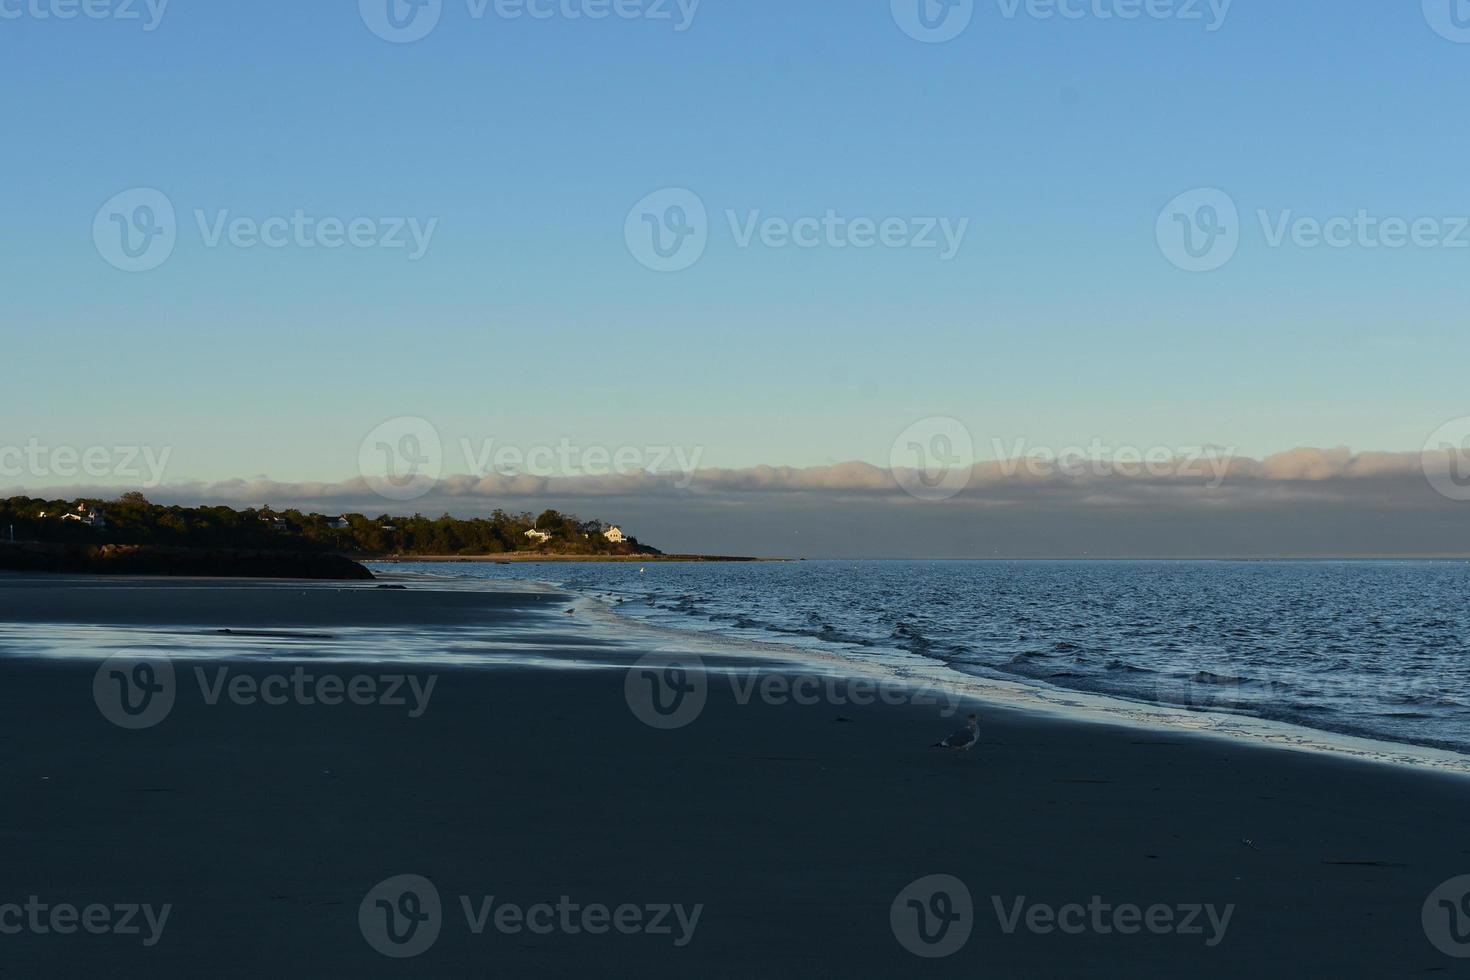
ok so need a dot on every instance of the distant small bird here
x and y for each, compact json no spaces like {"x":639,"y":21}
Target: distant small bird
{"x":963,"y":740}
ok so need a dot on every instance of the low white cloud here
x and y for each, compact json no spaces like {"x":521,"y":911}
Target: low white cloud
{"x":1204,"y":481}
{"x":1302,"y":503}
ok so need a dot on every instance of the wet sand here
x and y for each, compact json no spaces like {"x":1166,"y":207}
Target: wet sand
{"x":793,"y":827}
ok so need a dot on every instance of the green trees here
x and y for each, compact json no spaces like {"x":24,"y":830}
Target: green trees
{"x":133,"y":519}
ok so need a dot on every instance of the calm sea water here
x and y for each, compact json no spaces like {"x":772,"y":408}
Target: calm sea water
{"x":1380,"y":649}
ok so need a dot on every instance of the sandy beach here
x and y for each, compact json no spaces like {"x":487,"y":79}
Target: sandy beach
{"x":766,"y":836}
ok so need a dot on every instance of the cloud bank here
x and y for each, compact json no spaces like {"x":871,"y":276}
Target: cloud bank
{"x":1310,"y":502}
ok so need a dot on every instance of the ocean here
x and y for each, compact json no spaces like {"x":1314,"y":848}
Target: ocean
{"x":1376,"y":649}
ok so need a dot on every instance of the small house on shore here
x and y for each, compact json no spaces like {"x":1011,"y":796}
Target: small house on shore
{"x":614,"y":535}
{"x":86,"y":515}
{"x":540,"y":537}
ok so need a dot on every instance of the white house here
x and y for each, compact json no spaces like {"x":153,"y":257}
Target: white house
{"x":339,"y":523}
{"x":615,"y":535}
{"x":90,"y":516}
{"x":540,"y":537}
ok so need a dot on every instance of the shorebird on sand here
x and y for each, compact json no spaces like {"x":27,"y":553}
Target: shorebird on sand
{"x":963,"y":740}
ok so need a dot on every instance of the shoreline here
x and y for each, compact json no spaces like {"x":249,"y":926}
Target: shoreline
{"x":1035,"y":695}
{"x":520,"y":557}
{"x":1088,"y":707}
{"x":793,"y":826}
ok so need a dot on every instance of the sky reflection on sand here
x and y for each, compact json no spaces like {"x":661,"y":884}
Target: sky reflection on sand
{"x":596,"y":637}
{"x":448,"y":647}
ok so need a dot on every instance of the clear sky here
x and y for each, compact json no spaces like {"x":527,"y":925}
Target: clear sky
{"x":529,"y":320}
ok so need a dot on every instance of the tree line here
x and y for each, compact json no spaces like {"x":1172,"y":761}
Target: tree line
{"x":133,"y":519}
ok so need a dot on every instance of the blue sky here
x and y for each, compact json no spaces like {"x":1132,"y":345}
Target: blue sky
{"x":528,"y":321}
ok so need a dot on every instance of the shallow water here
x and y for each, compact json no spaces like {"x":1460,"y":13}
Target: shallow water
{"x":1376,"y":649}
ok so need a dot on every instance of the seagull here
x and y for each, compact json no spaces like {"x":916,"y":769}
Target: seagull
{"x":963,"y":740}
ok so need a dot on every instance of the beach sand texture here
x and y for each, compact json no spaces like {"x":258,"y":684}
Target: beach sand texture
{"x":793,"y":827}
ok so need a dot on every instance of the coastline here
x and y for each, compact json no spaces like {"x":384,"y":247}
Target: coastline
{"x":1089,"y":708}
{"x":793,"y":825}
{"x":519,"y":557}
{"x":1026,"y":694}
